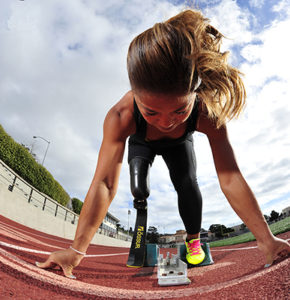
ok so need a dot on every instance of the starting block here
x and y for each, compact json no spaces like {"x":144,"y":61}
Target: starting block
{"x":181,"y":252}
{"x":152,"y":255}
{"x":172,"y":271}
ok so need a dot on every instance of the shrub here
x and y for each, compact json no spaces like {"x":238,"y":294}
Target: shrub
{"x":19,"y":159}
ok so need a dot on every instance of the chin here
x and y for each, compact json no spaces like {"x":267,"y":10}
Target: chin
{"x":169,"y":129}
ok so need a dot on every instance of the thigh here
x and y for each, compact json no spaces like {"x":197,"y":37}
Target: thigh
{"x":137,"y":149}
{"x":181,"y":162}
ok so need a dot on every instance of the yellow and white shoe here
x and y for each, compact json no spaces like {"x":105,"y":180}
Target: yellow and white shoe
{"x":195,"y":255}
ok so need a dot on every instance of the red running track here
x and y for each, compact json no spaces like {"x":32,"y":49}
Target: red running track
{"x":237,"y":273}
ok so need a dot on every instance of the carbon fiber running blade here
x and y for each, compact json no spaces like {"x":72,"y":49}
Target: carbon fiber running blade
{"x":138,"y":247}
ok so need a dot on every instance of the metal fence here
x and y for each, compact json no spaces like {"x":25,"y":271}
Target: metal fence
{"x":19,"y":186}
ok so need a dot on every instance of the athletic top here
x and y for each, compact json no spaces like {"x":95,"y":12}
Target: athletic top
{"x":141,"y":128}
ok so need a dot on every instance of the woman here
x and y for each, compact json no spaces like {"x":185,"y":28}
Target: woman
{"x":181,"y":83}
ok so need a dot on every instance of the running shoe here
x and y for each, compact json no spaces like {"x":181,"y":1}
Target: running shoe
{"x":195,"y":255}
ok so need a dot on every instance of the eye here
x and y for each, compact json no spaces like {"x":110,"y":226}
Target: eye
{"x":181,"y":112}
{"x":147,"y":113}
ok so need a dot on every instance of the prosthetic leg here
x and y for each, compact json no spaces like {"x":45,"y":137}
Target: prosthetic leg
{"x":139,"y":176}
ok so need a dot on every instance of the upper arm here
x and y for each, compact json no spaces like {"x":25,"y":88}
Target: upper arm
{"x":115,"y":132}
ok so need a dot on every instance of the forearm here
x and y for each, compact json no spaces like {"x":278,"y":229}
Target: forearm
{"x":93,"y":212}
{"x":244,"y":203}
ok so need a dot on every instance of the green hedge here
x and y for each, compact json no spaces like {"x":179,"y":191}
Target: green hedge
{"x":77,"y":205}
{"x":22,"y":162}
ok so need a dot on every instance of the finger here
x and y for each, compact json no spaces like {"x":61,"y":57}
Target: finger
{"x":49,"y":263}
{"x":269,"y":261}
{"x":67,"y":271}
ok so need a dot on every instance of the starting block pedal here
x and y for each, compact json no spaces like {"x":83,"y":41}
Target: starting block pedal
{"x":181,"y":250}
{"x":171,"y":271}
{"x":151,"y":255}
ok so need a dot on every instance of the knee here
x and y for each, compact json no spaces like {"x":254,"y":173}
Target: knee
{"x":139,"y":177}
{"x":184,"y":184}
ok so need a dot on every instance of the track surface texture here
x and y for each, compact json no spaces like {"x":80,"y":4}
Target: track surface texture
{"x":237,"y":273}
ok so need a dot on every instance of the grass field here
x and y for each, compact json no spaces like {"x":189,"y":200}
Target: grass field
{"x":276,"y":228}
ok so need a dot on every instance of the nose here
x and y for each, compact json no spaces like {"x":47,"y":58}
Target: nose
{"x":165,"y":121}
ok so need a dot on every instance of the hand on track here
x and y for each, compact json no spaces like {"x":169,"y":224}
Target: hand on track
{"x":67,"y":260}
{"x":277,"y":248}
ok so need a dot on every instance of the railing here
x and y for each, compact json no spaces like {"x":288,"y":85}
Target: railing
{"x":18,"y":185}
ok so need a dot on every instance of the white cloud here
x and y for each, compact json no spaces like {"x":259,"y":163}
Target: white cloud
{"x":231,"y":21}
{"x":63,"y":64}
{"x":256,"y":3}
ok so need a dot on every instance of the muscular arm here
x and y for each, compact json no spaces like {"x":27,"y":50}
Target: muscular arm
{"x":105,"y":181}
{"x":232,"y":182}
{"x":118,"y":126}
{"x":237,"y":191}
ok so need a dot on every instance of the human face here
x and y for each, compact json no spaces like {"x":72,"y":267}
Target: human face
{"x":164,"y":112}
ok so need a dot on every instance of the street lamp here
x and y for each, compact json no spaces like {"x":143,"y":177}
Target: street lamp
{"x":129,"y":213}
{"x":35,"y":137}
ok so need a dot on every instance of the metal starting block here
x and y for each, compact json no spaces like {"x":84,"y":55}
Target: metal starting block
{"x":181,"y":252}
{"x":171,"y":271}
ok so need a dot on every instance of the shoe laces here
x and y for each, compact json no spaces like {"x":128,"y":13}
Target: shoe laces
{"x":194,"y":247}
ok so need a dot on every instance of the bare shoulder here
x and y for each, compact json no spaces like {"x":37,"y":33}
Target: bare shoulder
{"x":208,"y":126}
{"x":119,"y":122}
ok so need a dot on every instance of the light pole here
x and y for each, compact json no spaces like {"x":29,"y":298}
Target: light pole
{"x":129,"y":213}
{"x":35,"y":137}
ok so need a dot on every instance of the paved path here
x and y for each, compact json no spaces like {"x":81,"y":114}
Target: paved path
{"x":237,"y":273}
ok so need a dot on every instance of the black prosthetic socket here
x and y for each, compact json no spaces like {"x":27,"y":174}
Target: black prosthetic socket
{"x":139,"y":177}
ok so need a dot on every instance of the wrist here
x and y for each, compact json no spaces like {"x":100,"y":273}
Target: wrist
{"x":78,"y":251}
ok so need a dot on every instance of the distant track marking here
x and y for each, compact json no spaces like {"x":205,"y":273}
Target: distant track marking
{"x":48,"y":253}
{"x":235,"y":249}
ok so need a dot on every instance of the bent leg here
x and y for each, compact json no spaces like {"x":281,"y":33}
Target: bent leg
{"x":181,"y":163}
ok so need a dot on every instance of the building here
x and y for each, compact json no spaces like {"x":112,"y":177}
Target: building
{"x":286,"y":212}
{"x":109,"y":225}
{"x":204,"y":235}
{"x":167,"y":239}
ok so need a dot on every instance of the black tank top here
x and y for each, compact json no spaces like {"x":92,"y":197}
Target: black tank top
{"x":141,"y":129}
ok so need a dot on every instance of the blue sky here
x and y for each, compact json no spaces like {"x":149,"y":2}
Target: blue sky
{"x":63,"y":65}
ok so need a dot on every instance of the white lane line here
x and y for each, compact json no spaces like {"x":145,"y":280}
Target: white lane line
{"x":57,"y":239}
{"x":103,"y":255}
{"x":23,"y":249}
{"x":233,"y":249}
{"x":243,"y":248}
{"x":48,"y":253}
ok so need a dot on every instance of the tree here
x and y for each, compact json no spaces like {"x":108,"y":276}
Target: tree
{"x":274,"y":216}
{"x":267,"y":218}
{"x":243,"y":226}
{"x":77,"y":205}
{"x":152,"y":235}
{"x":218,"y":229}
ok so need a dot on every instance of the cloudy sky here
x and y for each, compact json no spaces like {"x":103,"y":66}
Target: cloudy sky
{"x":63,"y":65}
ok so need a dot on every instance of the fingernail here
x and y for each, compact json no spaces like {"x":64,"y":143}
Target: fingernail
{"x":72,"y":277}
{"x":267,"y":265}
{"x":37,"y":264}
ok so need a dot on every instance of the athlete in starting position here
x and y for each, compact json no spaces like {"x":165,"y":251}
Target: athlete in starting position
{"x":180,"y":83}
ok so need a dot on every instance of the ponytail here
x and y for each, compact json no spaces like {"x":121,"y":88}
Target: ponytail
{"x":181,"y":56}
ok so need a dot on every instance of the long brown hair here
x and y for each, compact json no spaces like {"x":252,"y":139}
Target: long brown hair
{"x":173,"y":56}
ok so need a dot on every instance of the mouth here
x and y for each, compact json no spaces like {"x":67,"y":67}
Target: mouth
{"x":166,"y":129}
